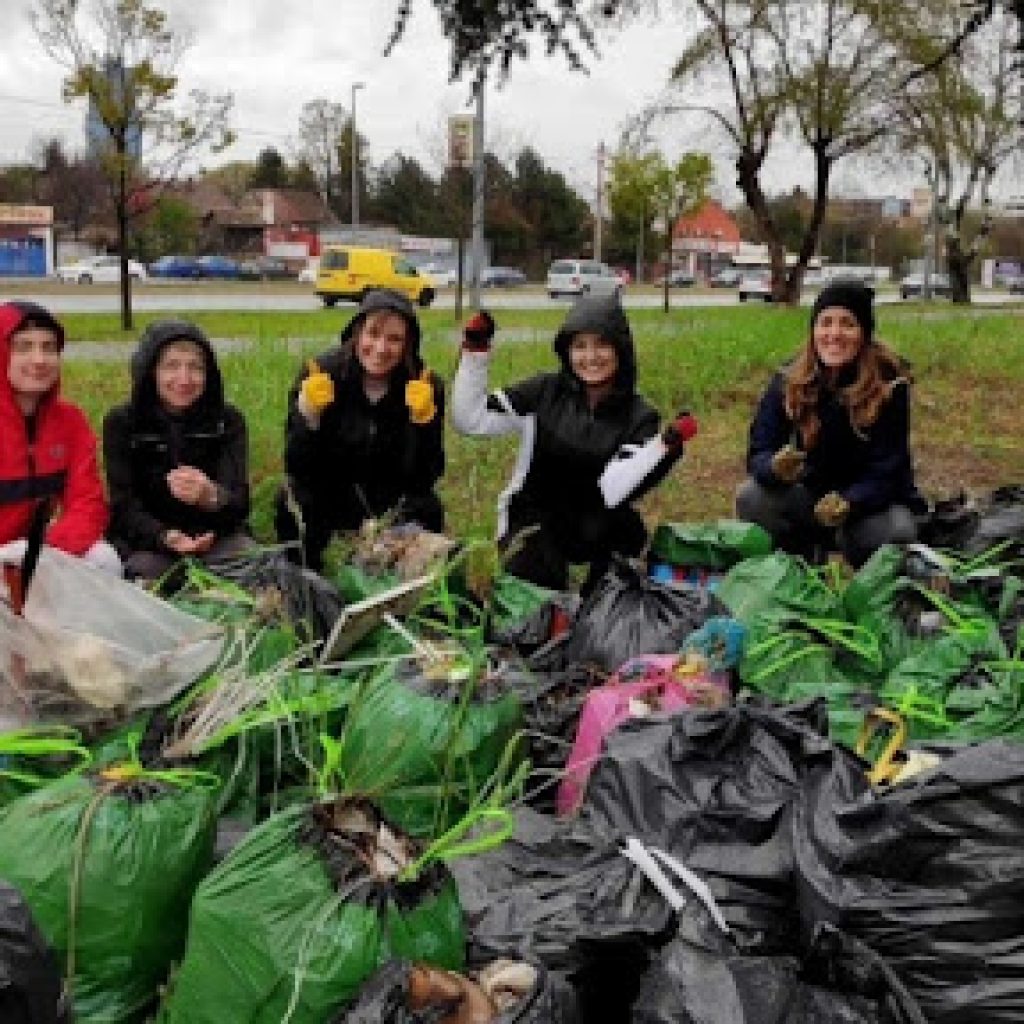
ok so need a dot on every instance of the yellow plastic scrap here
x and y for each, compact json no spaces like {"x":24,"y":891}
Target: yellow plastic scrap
{"x":317,"y":387}
{"x":419,"y":397}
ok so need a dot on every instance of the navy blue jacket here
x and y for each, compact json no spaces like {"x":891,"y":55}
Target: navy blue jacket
{"x":871,"y":469}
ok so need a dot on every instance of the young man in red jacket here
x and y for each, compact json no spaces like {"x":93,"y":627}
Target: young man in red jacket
{"x":47,"y":448}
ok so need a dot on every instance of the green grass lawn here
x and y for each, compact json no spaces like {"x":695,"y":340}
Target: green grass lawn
{"x":968,"y":412}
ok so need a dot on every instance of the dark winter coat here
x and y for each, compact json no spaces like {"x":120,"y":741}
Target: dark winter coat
{"x":365,"y":458}
{"x":872,"y":469}
{"x":142,"y":443}
{"x":567,"y":447}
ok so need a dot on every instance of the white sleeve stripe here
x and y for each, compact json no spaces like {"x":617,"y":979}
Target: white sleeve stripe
{"x":628,"y":469}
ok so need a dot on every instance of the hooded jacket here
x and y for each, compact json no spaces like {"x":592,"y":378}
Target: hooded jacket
{"x":872,"y":469}
{"x":142,"y":443}
{"x":365,"y":458}
{"x":50,"y":456}
{"x":574,"y":462}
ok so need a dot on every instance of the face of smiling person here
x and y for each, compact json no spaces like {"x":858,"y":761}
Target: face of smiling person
{"x":838,"y":337}
{"x":380,"y":346}
{"x":34,"y":364}
{"x":593,"y":359}
{"x":180,"y":375}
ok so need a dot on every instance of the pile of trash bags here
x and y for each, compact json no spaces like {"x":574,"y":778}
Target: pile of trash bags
{"x":724,"y":787}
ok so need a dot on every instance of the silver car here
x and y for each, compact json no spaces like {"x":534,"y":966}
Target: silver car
{"x":582,"y":277}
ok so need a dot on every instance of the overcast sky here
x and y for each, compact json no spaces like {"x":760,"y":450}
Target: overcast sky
{"x":276,"y":55}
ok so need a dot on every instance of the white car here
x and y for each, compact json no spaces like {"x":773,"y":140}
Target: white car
{"x":307,"y":275}
{"x":443,"y":276}
{"x":755,"y":286}
{"x":579,"y":277}
{"x":100,"y":269}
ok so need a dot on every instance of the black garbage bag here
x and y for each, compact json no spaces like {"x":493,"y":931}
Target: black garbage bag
{"x":304,"y":599}
{"x":30,"y":980}
{"x":701,"y":978}
{"x":384,"y":999}
{"x":950,"y":521}
{"x":1001,"y":518}
{"x":715,"y":790}
{"x":527,"y":635}
{"x":929,"y":874}
{"x":558,"y":895}
{"x":627,"y":615}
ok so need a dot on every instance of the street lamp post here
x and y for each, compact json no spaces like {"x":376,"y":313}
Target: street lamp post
{"x":356,"y":86}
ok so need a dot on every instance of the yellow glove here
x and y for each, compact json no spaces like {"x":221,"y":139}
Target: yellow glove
{"x":788,"y":463}
{"x":419,"y":397}
{"x":832,"y":509}
{"x":317,"y":391}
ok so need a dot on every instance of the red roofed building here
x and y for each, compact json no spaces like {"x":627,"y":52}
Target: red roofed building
{"x":706,"y":240}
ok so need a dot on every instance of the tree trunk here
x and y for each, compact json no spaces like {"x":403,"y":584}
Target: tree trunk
{"x":748,"y":168}
{"x":122,"y":238}
{"x":795,"y":279}
{"x":959,"y":266}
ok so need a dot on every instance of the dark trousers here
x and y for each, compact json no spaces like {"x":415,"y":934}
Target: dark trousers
{"x":323,"y":516}
{"x":150,"y":565}
{"x":787,"y":513}
{"x":541,"y":551}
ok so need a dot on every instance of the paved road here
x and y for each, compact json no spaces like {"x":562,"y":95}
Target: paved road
{"x":84,"y":299}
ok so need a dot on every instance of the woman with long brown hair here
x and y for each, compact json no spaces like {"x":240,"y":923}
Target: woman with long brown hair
{"x":829,"y":448}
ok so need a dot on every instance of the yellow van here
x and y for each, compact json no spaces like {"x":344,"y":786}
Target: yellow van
{"x":350,"y":271}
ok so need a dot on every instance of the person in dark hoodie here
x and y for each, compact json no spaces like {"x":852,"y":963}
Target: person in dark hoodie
{"x":589,"y":444}
{"x":829,"y":447}
{"x":365,"y":432}
{"x":176,"y":457}
{"x":48,"y":471}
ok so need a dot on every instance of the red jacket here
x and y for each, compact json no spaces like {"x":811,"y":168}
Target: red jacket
{"x":60,"y":463}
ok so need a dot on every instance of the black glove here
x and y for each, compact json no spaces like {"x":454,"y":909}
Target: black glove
{"x":478,"y":333}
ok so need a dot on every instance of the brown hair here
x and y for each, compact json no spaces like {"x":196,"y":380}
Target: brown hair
{"x":879,"y":370}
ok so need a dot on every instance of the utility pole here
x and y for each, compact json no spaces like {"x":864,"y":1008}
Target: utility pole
{"x":477,"y":261}
{"x":356,"y":86}
{"x":599,"y":215}
{"x":929,"y":242}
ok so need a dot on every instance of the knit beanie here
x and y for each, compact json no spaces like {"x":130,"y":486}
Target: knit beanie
{"x":851,"y":294}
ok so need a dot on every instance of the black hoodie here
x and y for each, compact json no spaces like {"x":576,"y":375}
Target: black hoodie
{"x":142,"y":443}
{"x":567,"y":447}
{"x":366,"y":456}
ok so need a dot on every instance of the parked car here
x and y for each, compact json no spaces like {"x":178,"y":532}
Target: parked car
{"x":175,"y":266}
{"x":576,"y":277}
{"x":307,"y":275}
{"x":501,"y":277}
{"x":350,"y":271}
{"x":912,"y":286}
{"x":678,"y":279}
{"x":443,"y":275}
{"x":221,"y":267}
{"x":755,"y":286}
{"x":1016,"y":284}
{"x":727,"y":277}
{"x":264,"y":268}
{"x":100,"y":269}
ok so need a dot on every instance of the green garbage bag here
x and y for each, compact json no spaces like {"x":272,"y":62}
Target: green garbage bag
{"x":715,"y":545}
{"x":514,"y":599}
{"x":794,"y":660}
{"x":776,"y":586}
{"x":961,"y":687}
{"x":108,"y":868}
{"x":301,"y":913}
{"x":423,"y":742}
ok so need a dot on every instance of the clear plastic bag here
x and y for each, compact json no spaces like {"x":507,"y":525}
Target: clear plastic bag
{"x":90,"y":646}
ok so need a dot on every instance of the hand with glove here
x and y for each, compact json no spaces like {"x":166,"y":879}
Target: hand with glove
{"x":788,"y":463}
{"x":419,"y":399}
{"x":680,"y":430}
{"x":315,"y":394}
{"x":478,"y":333}
{"x":831,"y":510}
